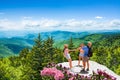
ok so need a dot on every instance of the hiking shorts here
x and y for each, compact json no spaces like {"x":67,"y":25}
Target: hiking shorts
{"x":85,"y":59}
{"x":67,"y":56}
{"x":81,"y":54}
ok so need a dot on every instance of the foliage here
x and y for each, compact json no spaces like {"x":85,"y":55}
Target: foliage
{"x":30,"y":61}
{"x":107,"y":52}
{"x":71,"y":45}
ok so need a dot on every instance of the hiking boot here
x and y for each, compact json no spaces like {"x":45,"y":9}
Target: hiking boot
{"x":87,"y":69}
{"x":83,"y":70}
{"x":79,"y":66}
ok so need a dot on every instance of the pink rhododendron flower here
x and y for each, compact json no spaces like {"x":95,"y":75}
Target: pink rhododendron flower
{"x":57,"y":74}
{"x":72,"y":78}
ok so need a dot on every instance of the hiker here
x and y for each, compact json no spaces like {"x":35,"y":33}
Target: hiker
{"x":67,"y":54}
{"x":81,"y":54}
{"x":89,"y":45}
{"x":85,"y":57}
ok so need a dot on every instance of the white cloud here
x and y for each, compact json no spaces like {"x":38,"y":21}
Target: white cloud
{"x":99,"y":17}
{"x":6,"y":24}
{"x":42,"y":25}
{"x":50,"y":25}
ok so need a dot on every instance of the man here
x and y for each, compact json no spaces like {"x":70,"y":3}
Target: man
{"x":89,"y":45}
{"x":85,"y":57}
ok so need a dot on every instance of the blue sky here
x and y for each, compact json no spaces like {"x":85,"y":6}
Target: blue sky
{"x":59,"y":12}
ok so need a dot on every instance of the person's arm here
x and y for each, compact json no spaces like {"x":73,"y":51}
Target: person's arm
{"x":64,"y":54}
{"x":72,"y":50}
{"x":78,"y":49}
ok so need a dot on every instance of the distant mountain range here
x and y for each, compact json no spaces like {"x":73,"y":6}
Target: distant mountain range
{"x":61,"y":35}
{"x":11,"y":43}
{"x":33,"y":34}
{"x":57,"y":35}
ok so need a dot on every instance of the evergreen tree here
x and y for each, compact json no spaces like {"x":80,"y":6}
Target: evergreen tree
{"x":71,"y":45}
{"x":35,"y":57}
{"x":49,"y":49}
{"x":23,"y":53}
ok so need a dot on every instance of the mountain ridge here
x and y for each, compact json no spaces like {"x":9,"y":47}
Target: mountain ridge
{"x":10,"y":34}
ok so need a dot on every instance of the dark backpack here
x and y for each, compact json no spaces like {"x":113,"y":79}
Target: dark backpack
{"x":90,"y":53}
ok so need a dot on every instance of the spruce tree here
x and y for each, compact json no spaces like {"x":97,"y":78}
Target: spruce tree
{"x":35,"y":57}
{"x":71,"y":45}
{"x":49,"y":50}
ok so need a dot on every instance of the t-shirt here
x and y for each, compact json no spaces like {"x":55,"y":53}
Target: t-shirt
{"x":66,"y":51}
{"x":85,"y":51}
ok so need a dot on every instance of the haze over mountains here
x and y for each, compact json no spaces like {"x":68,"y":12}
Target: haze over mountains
{"x":10,"y":34}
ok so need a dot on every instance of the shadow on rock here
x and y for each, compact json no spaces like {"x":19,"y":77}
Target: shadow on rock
{"x":83,"y":72}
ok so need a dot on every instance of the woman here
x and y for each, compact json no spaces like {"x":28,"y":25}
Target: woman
{"x":67,"y":55}
{"x":81,"y":54}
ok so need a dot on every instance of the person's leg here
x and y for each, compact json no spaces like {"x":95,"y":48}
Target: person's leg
{"x":70,"y":62}
{"x":79,"y":60}
{"x":88,"y":64}
{"x":84,"y":63}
